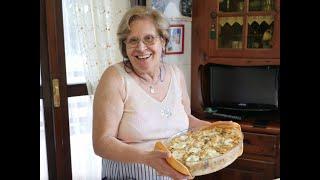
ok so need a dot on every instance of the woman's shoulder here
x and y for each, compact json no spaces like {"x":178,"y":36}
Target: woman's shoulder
{"x":111,"y":73}
{"x":114,"y":68}
{"x":110,"y":78}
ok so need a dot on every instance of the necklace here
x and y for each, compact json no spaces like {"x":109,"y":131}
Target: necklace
{"x":151,"y":89}
{"x":151,"y":85}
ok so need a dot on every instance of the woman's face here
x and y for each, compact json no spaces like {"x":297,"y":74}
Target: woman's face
{"x":144,"y":57}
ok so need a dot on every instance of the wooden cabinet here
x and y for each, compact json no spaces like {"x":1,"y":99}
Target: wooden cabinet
{"x":244,"y":169}
{"x":242,"y":33}
{"x":260,"y":144}
{"x":236,"y":31}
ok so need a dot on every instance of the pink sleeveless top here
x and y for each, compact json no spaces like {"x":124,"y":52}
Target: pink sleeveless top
{"x":146,"y":119}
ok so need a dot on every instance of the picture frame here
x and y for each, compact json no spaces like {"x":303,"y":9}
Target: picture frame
{"x":176,"y":43}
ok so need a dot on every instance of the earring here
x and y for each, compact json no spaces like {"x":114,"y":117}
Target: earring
{"x":163,"y":52}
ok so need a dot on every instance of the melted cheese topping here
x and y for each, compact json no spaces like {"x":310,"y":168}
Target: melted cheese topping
{"x":195,"y":146}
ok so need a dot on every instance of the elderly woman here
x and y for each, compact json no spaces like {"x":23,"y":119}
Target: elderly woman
{"x":139,"y":101}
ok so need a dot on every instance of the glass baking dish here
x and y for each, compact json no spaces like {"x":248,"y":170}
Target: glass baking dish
{"x":209,"y":165}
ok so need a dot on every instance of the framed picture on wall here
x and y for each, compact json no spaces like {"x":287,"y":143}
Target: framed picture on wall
{"x":176,"y":43}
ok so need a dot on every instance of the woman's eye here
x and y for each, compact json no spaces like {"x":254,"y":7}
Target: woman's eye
{"x":133,"y":41}
{"x":148,"y":38}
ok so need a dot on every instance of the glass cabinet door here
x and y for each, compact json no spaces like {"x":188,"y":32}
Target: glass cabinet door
{"x":231,"y":30}
{"x":241,"y":28}
{"x":231,"y":5}
{"x":260,"y":29}
{"x":261,"y":5}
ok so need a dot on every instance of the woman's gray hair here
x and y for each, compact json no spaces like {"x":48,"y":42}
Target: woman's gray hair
{"x":141,"y":12}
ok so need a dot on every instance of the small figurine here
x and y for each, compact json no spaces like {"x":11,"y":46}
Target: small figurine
{"x":266,"y":38}
{"x":267,"y":35}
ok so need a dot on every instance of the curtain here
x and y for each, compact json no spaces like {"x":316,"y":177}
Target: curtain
{"x":96,"y":23}
{"x":90,"y":47}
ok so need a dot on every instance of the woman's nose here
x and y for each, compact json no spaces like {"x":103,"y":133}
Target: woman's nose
{"x":141,"y":46}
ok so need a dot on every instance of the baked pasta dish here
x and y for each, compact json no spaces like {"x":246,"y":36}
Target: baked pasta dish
{"x":205,"y":150}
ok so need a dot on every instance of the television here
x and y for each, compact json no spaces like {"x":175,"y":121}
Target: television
{"x":240,"y":88}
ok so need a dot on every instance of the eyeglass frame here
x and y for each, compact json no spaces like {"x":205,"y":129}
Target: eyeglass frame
{"x":144,"y":42}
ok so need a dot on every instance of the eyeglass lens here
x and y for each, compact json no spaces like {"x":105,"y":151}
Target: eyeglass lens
{"x":147,"y":40}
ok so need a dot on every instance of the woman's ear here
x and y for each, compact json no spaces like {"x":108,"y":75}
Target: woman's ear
{"x":163,"y":42}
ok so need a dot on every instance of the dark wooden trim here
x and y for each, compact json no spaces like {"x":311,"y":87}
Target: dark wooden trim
{"x":77,"y":90}
{"x":46,"y":95}
{"x":41,"y":94}
{"x":242,"y":61}
{"x":72,"y":90}
{"x":57,"y":70}
{"x":142,"y":2}
{"x":137,"y":3}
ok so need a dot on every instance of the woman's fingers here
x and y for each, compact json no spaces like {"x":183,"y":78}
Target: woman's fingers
{"x":170,"y":171}
{"x":162,"y":154}
{"x":157,"y":160}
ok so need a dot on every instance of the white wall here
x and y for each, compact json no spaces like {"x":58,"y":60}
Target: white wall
{"x":171,"y":10}
{"x":183,"y":61}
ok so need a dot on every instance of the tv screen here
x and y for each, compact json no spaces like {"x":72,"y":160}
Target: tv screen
{"x":245,"y":88}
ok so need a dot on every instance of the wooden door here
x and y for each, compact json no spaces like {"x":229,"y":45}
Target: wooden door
{"x":54,"y":91}
{"x":57,"y":122}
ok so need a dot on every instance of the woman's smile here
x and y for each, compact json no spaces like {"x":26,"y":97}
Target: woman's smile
{"x":143,"y":57}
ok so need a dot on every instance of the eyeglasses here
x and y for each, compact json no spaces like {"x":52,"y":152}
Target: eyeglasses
{"x":148,"y":40}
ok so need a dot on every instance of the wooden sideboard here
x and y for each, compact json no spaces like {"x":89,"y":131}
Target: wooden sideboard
{"x":261,"y":155}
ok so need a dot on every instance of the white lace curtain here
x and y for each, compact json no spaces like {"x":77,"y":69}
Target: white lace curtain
{"x":97,"y":22}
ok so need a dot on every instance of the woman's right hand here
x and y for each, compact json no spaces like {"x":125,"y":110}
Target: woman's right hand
{"x":157,"y":160}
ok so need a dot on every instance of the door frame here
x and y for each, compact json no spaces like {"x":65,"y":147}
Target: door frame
{"x":52,"y":62}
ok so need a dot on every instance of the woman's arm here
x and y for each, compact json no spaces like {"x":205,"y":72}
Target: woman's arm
{"x":107,"y":112}
{"x":193,"y":121}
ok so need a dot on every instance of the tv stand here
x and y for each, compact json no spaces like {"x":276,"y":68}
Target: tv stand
{"x":215,"y":115}
{"x":261,"y":123}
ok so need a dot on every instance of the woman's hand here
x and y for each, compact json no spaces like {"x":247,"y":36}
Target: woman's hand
{"x":157,"y":160}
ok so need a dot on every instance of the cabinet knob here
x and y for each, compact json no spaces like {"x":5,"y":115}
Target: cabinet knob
{"x":213,"y":15}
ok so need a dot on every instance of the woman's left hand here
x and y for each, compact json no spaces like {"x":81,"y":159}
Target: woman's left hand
{"x":157,"y":160}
